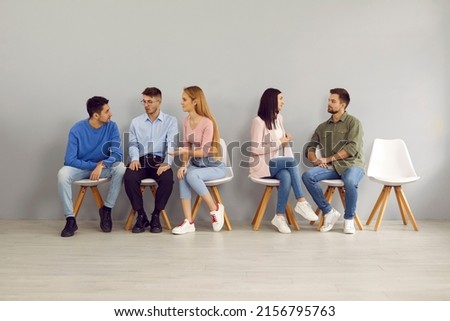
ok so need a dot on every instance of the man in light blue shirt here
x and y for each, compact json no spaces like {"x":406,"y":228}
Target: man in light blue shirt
{"x":152,"y":136}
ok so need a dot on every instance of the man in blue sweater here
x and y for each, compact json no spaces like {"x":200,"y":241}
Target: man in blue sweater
{"x":93,"y":151}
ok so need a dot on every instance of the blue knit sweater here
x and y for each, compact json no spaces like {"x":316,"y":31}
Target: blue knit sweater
{"x":87,"y":146}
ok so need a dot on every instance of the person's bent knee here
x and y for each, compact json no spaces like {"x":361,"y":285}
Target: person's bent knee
{"x":118,"y":168}
{"x":307,"y":177}
{"x":64,"y":175}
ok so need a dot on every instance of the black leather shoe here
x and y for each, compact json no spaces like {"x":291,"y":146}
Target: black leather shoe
{"x":155,"y":225}
{"x":141,"y":224}
{"x":70,"y":228}
{"x":105,"y":219}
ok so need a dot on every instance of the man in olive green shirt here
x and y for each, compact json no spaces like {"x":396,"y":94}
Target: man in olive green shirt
{"x":340,"y":140}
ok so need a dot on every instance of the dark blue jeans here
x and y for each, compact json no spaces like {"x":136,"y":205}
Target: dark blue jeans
{"x":351,"y":177}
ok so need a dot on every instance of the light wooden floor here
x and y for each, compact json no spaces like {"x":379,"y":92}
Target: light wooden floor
{"x":394,"y":263}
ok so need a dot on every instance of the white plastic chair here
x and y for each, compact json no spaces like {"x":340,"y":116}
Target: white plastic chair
{"x":213,"y":185}
{"x":269,"y":184}
{"x":153,"y":185}
{"x":390,"y":165}
{"x":84,"y":185}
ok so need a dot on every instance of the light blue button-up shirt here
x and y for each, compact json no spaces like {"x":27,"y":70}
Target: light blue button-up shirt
{"x":153,"y":137}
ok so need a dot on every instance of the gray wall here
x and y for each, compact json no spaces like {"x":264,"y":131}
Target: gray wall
{"x":392,"y":56}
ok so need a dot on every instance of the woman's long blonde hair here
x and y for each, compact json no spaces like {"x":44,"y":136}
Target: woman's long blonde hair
{"x":202,"y":108}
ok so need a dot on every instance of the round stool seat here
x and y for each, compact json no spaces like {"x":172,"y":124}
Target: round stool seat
{"x":333,"y":182}
{"x":89,"y":182}
{"x":266,"y":181}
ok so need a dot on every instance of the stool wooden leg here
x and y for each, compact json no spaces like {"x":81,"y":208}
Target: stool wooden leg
{"x":97,"y":197}
{"x":358,"y":222}
{"x":130,"y":220}
{"x":79,"y":200}
{"x":261,"y":208}
{"x":383,"y":207}
{"x":376,"y":206}
{"x":401,"y":206}
{"x":166,"y":220}
{"x":196,"y":206}
{"x":291,"y":217}
{"x":402,"y":199}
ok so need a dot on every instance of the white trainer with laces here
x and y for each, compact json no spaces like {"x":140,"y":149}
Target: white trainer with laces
{"x":349,"y":227}
{"x":305,"y":210}
{"x":217,"y":218}
{"x":185,"y":227}
{"x":280,"y":222}
{"x":330,"y":219}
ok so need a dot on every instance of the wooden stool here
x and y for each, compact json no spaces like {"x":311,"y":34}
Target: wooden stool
{"x":270,"y":183}
{"x":148,"y":182}
{"x":84,"y":185}
{"x":213,"y":186}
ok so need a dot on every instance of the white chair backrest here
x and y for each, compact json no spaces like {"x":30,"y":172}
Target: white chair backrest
{"x":226,"y":159}
{"x":390,"y":158}
{"x":223,"y":147}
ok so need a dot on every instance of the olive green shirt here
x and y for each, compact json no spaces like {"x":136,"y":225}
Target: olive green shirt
{"x":332,"y":137}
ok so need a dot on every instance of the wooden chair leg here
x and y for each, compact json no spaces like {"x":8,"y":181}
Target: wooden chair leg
{"x":401,"y":195}
{"x":383,"y":207}
{"x":79,"y":200}
{"x":130,"y":220}
{"x":358,"y":222}
{"x":261,"y":208}
{"x":97,"y":197}
{"x":291,"y":217}
{"x":401,"y":206}
{"x":166,"y":220}
{"x":218,"y":199}
{"x":376,"y":206}
{"x":196,"y":206}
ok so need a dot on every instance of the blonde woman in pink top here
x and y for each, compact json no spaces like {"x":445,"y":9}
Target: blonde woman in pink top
{"x":200,"y":157}
{"x":273,"y":157}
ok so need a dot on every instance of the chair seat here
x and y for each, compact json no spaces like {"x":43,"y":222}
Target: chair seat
{"x":269,"y":184}
{"x":266,"y":181}
{"x":89,"y":182}
{"x":213,"y":186}
{"x":218,"y":181}
{"x":394,"y":181}
{"x":148,"y":182}
{"x":333,"y":182}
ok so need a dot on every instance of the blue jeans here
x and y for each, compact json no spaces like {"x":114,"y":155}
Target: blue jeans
{"x":195,"y":178}
{"x":351,"y":178}
{"x":67,"y":175}
{"x":286,"y":170}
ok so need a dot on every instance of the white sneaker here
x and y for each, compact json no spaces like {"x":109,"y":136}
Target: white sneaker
{"x":184,"y":228}
{"x":305,"y":210}
{"x":280,"y":222}
{"x":349,"y":227}
{"x":217,"y":218}
{"x":330,"y":219}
